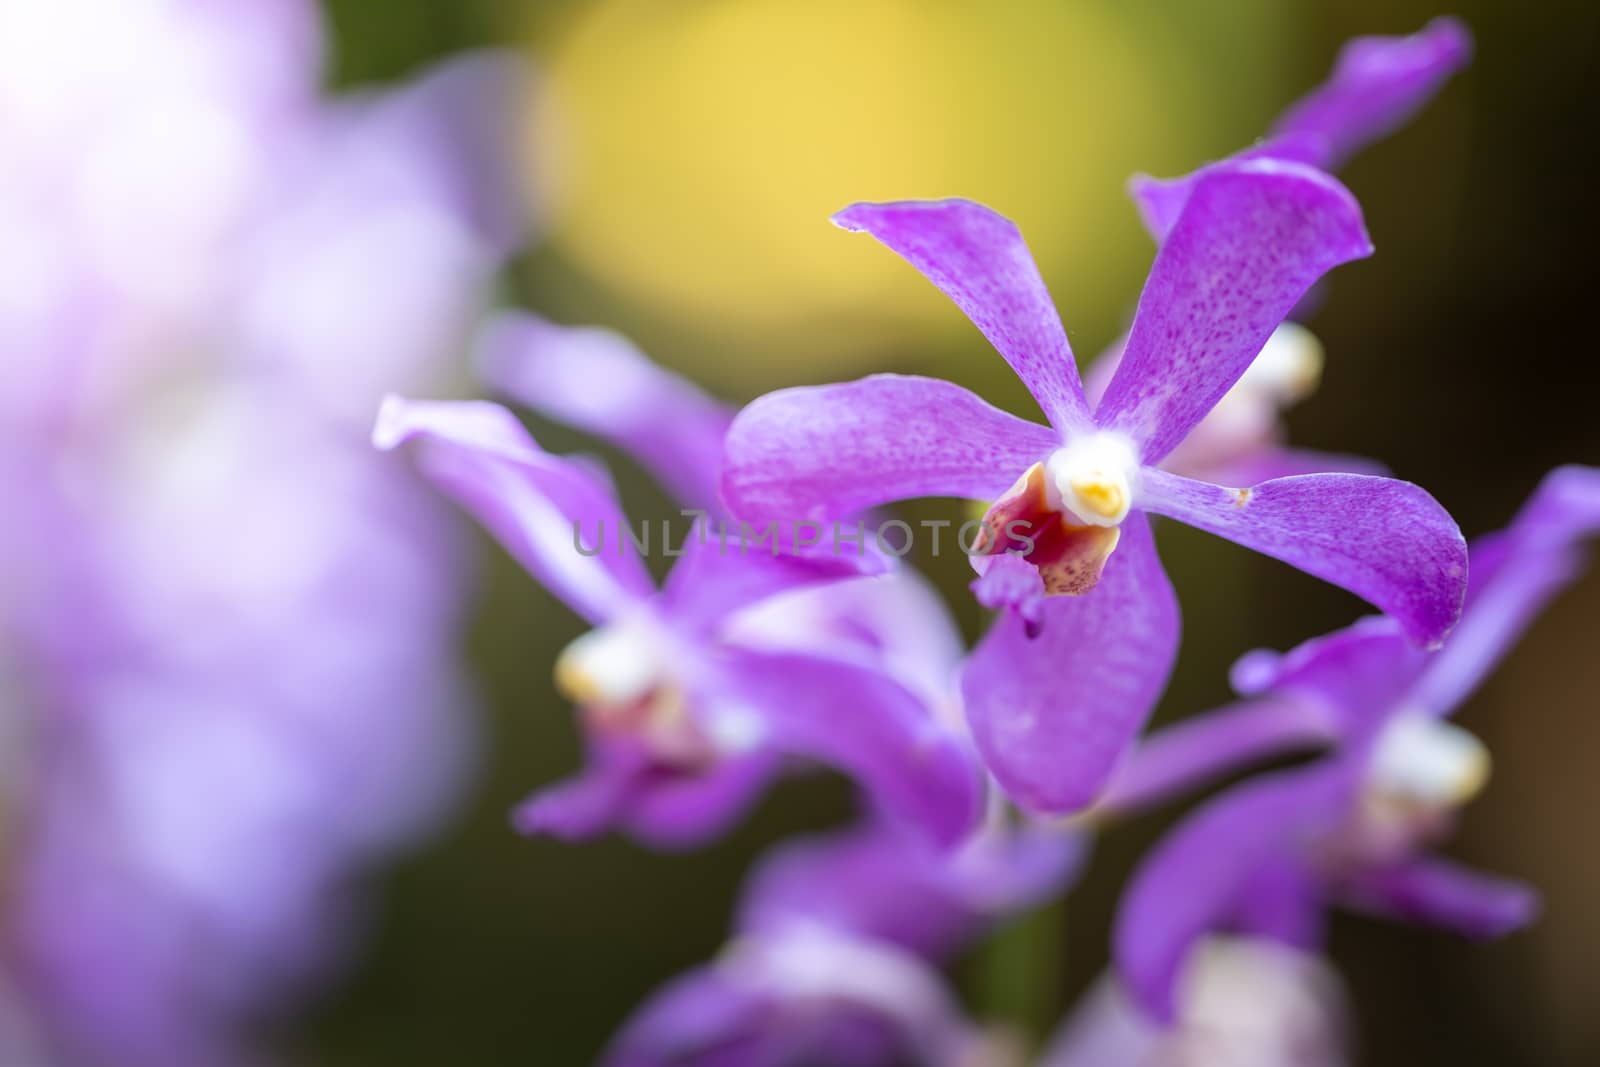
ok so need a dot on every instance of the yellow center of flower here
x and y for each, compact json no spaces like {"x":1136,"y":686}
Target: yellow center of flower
{"x":1091,"y":478}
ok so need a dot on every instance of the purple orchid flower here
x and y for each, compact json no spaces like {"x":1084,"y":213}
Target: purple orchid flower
{"x":212,"y":587}
{"x":835,"y":952}
{"x":1243,"y":1003}
{"x":685,"y":725}
{"x":1268,"y":857}
{"x":1254,"y":236}
{"x":1376,"y":86}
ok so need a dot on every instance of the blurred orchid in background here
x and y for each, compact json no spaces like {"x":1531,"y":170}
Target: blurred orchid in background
{"x":228,"y":628}
{"x":687,"y":708}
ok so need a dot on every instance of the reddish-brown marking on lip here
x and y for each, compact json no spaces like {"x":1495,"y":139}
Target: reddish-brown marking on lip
{"x":1070,"y":557}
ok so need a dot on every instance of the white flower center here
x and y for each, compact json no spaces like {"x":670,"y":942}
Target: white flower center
{"x":1092,"y":478}
{"x":1423,"y":762}
{"x":612,"y":666}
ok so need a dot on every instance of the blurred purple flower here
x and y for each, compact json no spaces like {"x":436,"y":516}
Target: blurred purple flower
{"x":1242,"y":1003}
{"x":685,"y":723}
{"x":229,"y":625}
{"x":1376,"y":86}
{"x":835,"y":954}
{"x":1268,"y":857}
{"x":1253,"y":237}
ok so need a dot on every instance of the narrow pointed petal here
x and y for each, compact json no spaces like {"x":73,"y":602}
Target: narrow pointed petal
{"x":1194,"y":882}
{"x":597,"y":381}
{"x":1053,"y":714}
{"x":830,"y":451}
{"x":535,"y":504}
{"x":1514,"y":575}
{"x":1199,"y":751}
{"x":1386,"y":541}
{"x":1252,"y":239}
{"x":868,"y":725}
{"x":978,"y":259}
{"x":1377,"y":85}
{"x":1445,"y":894}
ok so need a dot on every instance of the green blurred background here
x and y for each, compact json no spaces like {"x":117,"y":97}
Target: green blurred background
{"x":685,"y":156}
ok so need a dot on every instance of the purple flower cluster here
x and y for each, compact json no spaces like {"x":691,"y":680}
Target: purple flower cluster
{"x":982,"y":773}
{"x":227,"y":677}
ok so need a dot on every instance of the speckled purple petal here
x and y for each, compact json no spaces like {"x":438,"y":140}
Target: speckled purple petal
{"x":1387,"y":541}
{"x":1252,"y":239}
{"x":1514,"y":574}
{"x":1054,"y":714}
{"x":830,"y":451}
{"x":479,"y":455}
{"x":1377,"y":85}
{"x":978,"y":259}
{"x":1203,"y":749}
{"x":597,"y":381}
{"x":1445,"y":894}
{"x":866,"y":724}
{"x":1195,"y":879}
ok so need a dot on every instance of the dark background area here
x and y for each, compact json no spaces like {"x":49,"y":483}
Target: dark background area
{"x":1462,"y":355}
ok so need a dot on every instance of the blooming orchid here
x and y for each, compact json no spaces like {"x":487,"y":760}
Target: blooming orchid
{"x":1266,"y":857}
{"x":685,"y":725}
{"x":836,"y":949}
{"x":1053,"y":712}
{"x":1377,"y":84}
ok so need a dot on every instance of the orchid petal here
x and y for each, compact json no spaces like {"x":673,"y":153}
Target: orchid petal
{"x":830,"y":451}
{"x":1514,"y":575}
{"x":719,"y":574}
{"x":874,"y":882}
{"x":1377,"y":85}
{"x":978,"y":259}
{"x":1252,"y":239}
{"x":1053,"y":714}
{"x":1194,"y":881}
{"x":535,"y":504}
{"x":1191,"y":753}
{"x":1387,"y":541}
{"x":1445,"y":894}
{"x":868,"y":725}
{"x":598,"y":382}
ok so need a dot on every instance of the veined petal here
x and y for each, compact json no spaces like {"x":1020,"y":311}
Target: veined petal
{"x":1387,"y":541}
{"x":1445,"y":894}
{"x":978,"y":259}
{"x":1514,"y":575}
{"x":1377,"y":85}
{"x":535,"y":504}
{"x":830,"y":451}
{"x":1054,"y":714}
{"x":1252,"y":239}
{"x":598,"y":382}
{"x":1195,"y":880}
{"x":870,"y":726}
{"x":1199,"y":750}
